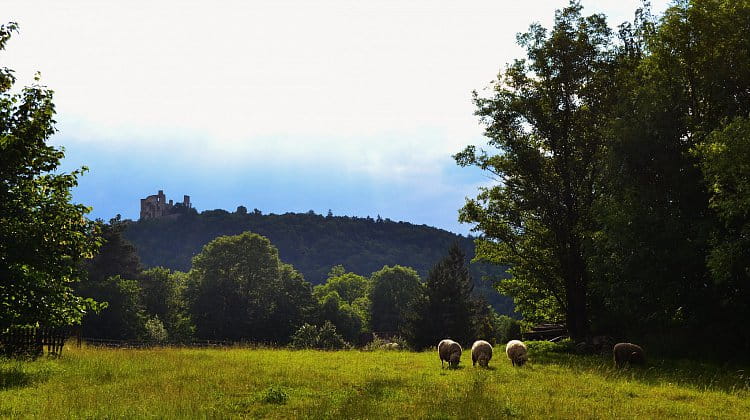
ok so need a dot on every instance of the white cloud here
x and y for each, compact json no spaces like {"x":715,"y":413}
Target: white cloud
{"x":383,"y":87}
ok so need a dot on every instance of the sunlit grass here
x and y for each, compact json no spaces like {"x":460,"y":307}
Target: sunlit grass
{"x":238,"y":382}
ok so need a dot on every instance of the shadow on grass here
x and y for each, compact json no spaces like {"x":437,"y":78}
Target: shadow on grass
{"x":14,"y":377}
{"x":362,"y":399}
{"x":484,"y":367}
{"x":693,"y":374}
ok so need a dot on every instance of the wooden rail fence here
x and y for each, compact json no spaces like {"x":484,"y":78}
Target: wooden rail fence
{"x":32,"y":341}
{"x":546,"y":332}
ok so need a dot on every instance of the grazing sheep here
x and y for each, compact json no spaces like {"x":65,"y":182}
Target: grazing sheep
{"x":481,"y":352}
{"x":449,"y":351}
{"x":392,"y":346}
{"x":516,"y":352}
{"x":628,"y":353}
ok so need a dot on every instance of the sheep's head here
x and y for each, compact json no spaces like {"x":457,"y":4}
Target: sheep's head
{"x":520,"y":360}
{"x":454,"y":359}
{"x":483,"y":361}
{"x":637,"y":358}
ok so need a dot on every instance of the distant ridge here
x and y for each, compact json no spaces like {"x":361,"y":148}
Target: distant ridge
{"x":312,"y":243}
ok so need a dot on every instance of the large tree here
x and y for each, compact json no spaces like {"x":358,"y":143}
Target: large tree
{"x":44,"y":237}
{"x":393,"y":296}
{"x":545,"y":117}
{"x":345,"y":301}
{"x":726,"y":165}
{"x":239,"y":289}
{"x":680,"y":108}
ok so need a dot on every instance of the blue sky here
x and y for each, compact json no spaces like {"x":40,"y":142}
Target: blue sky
{"x":278,"y":105}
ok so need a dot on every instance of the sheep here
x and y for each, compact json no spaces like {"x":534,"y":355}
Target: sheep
{"x":449,"y":351}
{"x":392,"y":346}
{"x":628,"y":353}
{"x":481,"y":352}
{"x":516,"y":352}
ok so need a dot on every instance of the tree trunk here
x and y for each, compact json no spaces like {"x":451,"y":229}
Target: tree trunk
{"x":576,"y":286}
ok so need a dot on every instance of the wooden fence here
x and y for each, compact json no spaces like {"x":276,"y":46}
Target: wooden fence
{"x":32,"y":341}
{"x":546,"y":332}
{"x":139,"y":344}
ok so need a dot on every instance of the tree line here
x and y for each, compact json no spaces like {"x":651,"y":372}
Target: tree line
{"x":620,"y":157}
{"x":239,"y":289}
{"x":313,"y":243}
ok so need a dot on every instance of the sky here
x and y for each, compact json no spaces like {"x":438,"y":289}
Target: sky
{"x":284,"y":106}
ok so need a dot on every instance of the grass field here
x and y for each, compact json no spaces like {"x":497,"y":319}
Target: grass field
{"x":237,"y":382}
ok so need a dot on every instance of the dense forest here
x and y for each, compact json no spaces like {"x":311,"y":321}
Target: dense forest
{"x":312,"y":243}
{"x":621,"y":167}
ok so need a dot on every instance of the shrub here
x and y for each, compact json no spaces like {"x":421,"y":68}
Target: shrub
{"x":155,"y":330}
{"x":275,"y":395}
{"x":329,"y":339}
{"x":324,"y":337}
{"x":306,"y":337}
{"x":381,"y":344}
{"x":563,"y":346}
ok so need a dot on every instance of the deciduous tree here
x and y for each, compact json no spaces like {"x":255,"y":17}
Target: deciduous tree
{"x":544,"y":117}
{"x":240,"y":289}
{"x":44,"y":237}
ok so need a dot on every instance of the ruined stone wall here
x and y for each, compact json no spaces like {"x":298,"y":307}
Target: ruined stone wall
{"x":156,"y":205}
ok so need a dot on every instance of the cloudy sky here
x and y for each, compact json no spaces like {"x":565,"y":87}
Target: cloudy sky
{"x":354,"y":106}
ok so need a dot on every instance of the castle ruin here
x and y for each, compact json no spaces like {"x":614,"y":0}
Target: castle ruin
{"x":156,"y":205}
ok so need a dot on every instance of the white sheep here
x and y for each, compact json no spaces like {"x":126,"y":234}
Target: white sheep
{"x":449,"y":351}
{"x":516,"y":352}
{"x":481,"y":351}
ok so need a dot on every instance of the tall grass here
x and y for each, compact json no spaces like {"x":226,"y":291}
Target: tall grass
{"x":237,"y":382}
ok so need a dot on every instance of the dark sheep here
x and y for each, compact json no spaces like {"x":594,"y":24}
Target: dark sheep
{"x":628,"y":353}
{"x":517,"y":352}
{"x":449,"y":351}
{"x":481,"y":352}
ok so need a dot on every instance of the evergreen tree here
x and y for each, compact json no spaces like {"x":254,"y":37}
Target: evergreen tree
{"x":447,"y":309}
{"x":116,"y":257}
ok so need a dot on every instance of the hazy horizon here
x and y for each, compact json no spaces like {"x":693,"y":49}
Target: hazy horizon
{"x":284,"y":106}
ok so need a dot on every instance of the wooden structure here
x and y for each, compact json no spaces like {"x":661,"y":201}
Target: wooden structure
{"x":32,"y":341}
{"x":546,"y":332}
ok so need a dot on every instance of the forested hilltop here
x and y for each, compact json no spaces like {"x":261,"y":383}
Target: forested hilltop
{"x":312,"y":243}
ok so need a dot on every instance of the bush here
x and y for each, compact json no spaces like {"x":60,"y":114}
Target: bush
{"x":275,"y":395}
{"x":324,"y":337}
{"x":382,"y":344}
{"x":564,"y":346}
{"x":329,"y":339}
{"x":155,"y":330}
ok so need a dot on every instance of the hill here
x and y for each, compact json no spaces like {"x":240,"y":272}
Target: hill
{"x":310,"y":242}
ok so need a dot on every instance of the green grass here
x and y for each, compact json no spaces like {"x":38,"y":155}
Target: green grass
{"x":237,"y":382}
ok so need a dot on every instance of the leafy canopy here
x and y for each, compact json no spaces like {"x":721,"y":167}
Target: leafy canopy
{"x":43,"y":236}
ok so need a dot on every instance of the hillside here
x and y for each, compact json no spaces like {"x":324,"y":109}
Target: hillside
{"x":310,"y":242}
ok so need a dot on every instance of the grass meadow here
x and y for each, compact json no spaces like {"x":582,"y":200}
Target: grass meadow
{"x":277,"y":383}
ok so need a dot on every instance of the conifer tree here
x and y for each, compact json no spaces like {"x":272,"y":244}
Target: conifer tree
{"x":447,"y":308}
